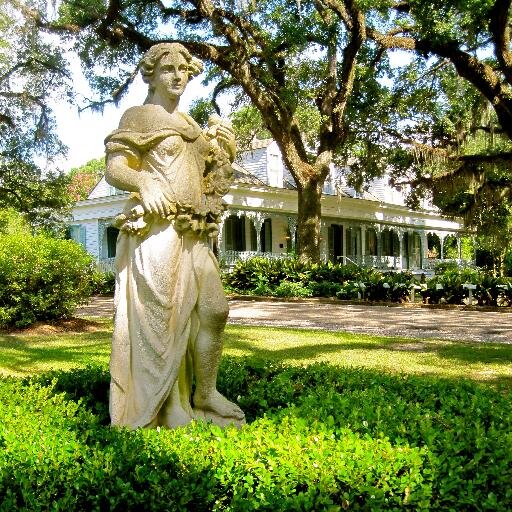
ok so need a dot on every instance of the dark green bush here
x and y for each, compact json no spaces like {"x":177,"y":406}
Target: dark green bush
{"x":317,"y":438}
{"x":261,"y":276}
{"x":445,"y":266}
{"x":291,"y":278}
{"x":507,"y":264}
{"x":41,"y":278}
{"x":490,"y":290}
{"x":389,"y":286}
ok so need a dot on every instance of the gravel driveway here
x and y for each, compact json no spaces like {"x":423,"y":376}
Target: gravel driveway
{"x":418,"y":322}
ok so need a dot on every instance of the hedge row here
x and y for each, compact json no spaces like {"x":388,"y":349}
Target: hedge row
{"x":319,"y":438}
{"x":292,"y":278}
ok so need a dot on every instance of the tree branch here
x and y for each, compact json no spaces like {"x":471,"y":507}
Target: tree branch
{"x":334,"y":131}
{"x":500,"y":30}
{"x":478,"y":73}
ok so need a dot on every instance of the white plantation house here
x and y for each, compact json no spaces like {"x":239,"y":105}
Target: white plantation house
{"x":373,"y":228}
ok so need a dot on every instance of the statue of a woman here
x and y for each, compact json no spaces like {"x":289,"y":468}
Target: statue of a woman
{"x":170,"y":306}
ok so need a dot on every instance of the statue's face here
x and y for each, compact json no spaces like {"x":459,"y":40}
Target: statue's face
{"x":171,"y":75}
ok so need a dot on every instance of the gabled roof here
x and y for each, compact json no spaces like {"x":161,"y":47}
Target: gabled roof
{"x":244,"y":176}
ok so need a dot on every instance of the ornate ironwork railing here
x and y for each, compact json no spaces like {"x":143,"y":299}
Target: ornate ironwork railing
{"x":430,"y":263}
{"x":367,"y":260}
{"x":229,"y":258}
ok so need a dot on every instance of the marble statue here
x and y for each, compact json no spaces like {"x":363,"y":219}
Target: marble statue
{"x":170,"y":308}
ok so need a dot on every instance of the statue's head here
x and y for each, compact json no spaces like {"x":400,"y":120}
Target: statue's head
{"x":152,"y":57}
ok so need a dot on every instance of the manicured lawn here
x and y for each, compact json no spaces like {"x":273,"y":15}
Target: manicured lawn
{"x":25,"y":354}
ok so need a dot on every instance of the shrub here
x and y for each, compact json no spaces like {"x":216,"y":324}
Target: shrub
{"x":325,"y":288}
{"x":291,"y":289}
{"x":389,"y":286}
{"x":291,"y":278}
{"x":41,"y":278}
{"x":507,"y":264}
{"x":445,"y":266}
{"x":317,"y":438}
{"x":104,"y":283}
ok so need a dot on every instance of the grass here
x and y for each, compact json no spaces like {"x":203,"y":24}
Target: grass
{"x":24,"y":354}
{"x":489,"y":362}
{"x":29,"y":354}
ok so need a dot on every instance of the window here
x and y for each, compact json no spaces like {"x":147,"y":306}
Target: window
{"x":234,"y":233}
{"x":266,"y":236}
{"x":112,"y":233}
{"x":390,"y":243}
{"x":371,"y":242}
{"x":77,"y":233}
{"x":335,"y":242}
{"x":252,"y":235}
{"x":113,"y":191}
{"x":353,"y":241}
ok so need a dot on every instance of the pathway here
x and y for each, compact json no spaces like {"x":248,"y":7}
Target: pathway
{"x":418,"y":322}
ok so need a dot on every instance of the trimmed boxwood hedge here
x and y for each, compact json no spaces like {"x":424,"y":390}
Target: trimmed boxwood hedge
{"x":317,"y":438}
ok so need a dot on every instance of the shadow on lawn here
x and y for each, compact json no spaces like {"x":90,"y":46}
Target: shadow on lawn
{"x":21,"y":355}
{"x":458,"y":352}
{"x":469,"y":352}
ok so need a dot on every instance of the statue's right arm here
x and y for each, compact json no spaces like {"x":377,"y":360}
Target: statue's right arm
{"x":122,"y":172}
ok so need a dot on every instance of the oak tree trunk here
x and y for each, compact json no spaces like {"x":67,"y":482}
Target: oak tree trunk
{"x":308,"y":221}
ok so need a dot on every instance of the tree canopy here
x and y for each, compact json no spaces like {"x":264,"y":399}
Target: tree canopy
{"x":320,"y":75}
{"x":32,"y":71}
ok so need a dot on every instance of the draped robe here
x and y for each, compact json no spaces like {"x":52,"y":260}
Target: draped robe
{"x":159,"y":270}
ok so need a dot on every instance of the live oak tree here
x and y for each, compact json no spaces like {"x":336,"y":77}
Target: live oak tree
{"x":317,"y":72}
{"x":465,"y":155}
{"x":286,"y":57}
{"x":32,"y":72}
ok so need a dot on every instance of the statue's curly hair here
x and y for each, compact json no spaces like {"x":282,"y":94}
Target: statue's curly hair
{"x":157,"y":51}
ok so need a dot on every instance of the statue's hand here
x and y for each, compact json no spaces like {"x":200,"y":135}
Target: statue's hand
{"x":155,"y":196}
{"x":226,"y":139}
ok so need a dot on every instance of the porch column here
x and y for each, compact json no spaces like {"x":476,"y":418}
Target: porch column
{"x":441,"y":241}
{"x":363,"y":244}
{"x":292,"y":226}
{"x":346,"y":227}
{"x":400,"y":248}
{"x":378,"y":231}
{"x":257,"y":219}
{"x":459,"y":247}
{"x":324,"y":250}
{"x":424,"y":246}
{"x":220,"y":234}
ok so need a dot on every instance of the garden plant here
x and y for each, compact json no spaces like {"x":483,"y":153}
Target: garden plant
{"x":293,"y":278}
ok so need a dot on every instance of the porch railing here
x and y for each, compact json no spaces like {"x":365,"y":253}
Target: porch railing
{"x":229,"y":258}
{"x":367,"y":260}
{"x":430,"y":263}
